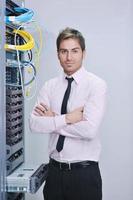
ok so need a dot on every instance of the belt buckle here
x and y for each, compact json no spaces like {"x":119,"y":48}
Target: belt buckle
{"x":67,"y":168}
{"x":69,"y":164}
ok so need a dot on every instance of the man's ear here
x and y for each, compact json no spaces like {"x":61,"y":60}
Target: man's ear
{"x":84,"y":53}
{"x":58,"y":55}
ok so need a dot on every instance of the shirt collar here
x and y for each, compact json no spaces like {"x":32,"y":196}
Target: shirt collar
{"x":78,"y":75}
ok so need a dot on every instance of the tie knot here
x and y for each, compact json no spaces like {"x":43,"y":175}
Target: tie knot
{"x":70,"y":80}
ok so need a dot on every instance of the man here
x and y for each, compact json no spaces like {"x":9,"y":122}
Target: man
{"x":70,"y":108}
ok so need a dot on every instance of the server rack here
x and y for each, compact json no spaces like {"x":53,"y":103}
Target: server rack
{"x":15,"y":177}
{"x":2,"y":104}
{"x":14,"y":103}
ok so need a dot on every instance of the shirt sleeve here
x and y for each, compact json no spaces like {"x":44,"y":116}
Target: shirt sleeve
{"x":94,"y":110}
{"x":46,"y":124}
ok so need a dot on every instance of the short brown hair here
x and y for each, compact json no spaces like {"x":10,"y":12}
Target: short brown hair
{"x":70,"y":33}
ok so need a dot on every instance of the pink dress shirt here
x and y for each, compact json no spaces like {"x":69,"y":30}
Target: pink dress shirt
{"x":82,"y":141}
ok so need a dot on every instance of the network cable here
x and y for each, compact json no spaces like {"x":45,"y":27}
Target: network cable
{"x":27,"y":37}
{"x":21,"y":40}
{"x":25,"y":16}
{"x":27,"y":63}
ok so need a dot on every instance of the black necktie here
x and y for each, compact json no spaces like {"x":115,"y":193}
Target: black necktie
{"x":61,"y":138}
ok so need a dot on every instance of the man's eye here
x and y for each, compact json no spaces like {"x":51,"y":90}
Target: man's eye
{"x":75,"y":51}
{"x":63,"y":51}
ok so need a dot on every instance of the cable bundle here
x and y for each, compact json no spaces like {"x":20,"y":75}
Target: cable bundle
{"x":26,"y":37}
{"x":25,"y":16}
{"x":24,"y":41}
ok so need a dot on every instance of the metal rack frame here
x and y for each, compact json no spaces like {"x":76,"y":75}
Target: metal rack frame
{"x":2,"y":104}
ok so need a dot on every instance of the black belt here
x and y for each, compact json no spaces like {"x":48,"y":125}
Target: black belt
{"x":71,"y":166}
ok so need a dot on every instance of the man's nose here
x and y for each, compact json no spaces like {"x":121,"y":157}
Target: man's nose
{"x":69,"y":55}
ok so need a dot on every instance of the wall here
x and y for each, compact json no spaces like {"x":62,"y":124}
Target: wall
{"x":106,"y":25}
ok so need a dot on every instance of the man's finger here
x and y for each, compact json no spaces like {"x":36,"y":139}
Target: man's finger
{"x":40,"y":112}
{"x":41,"y":108}
{"x":80,"y":109}
{"x":45,"y":106}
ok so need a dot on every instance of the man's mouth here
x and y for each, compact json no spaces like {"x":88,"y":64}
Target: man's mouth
{"x":68,"y":63}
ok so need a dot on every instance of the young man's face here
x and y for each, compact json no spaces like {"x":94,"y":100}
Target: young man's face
{"x":70,"y":55}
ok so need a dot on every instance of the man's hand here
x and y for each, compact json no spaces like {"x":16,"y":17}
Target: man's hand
{"x":43,"y":110}
{"x":71,"y":118}
{"x":74,"y":116}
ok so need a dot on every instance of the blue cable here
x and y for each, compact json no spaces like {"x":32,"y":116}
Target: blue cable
{"x":25,"y":16}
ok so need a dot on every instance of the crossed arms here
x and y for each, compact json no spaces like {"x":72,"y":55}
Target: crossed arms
{"x":70,"y":118}
{"x":82,"y":122}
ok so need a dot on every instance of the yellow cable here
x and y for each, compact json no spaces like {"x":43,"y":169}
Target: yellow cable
{"x":27,"y":37}
{"x":38,"y":50}
{"x":29,"y":45}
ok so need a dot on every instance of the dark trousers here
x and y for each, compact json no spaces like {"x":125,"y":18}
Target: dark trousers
{"x":76,"y":184}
